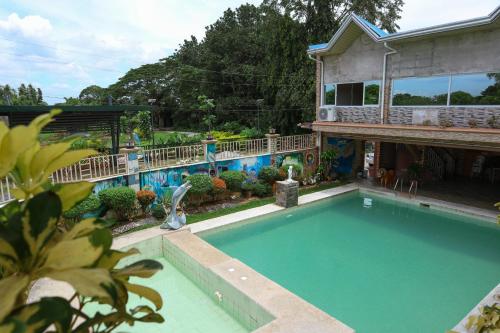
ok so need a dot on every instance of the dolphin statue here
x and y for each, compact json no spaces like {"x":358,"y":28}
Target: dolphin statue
{"x":174,"y":221}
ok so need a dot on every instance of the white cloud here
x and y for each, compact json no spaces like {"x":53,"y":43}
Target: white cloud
{"x":29,"y":26}
{"x":424,"y":13}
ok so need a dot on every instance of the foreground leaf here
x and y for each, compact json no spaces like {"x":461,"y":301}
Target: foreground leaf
{"x":90,"y":282}
{"x":10,"y":288}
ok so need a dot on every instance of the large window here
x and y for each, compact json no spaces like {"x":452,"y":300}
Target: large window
{"x":329,"y":94}
{"x":475,"y":89}
{"x":421,"y":91}
{"x":352,"y":94}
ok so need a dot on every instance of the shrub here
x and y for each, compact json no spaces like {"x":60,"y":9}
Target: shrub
{"x":262,"y":189}
{"x":233,"y":179}
{"x":145,"y":198}
{"x":88,"y":205}
{"x":120,"y":199}
{"x":269,"y":174}
{"x":201,"y":184}
{"x":219,"y":188}
{"x":231,"y":126}
{"x":158,"y":212}
{"x":251,"y":133}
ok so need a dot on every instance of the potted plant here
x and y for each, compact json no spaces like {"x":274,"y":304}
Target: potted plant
{"x":248,"y":186}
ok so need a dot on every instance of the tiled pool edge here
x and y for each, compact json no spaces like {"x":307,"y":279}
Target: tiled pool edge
{"x":223,"y":221}
{"x":435,"y":204}
{"x":291,"y":313}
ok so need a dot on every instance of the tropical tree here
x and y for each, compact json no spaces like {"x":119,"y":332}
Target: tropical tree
{"x":35,"y":243}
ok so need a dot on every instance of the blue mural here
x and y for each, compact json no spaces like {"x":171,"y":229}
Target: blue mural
{"x":166,"y":180}
{"x":108,"y":183}
{"x":250,"y":165}
{"x":345,"y":151}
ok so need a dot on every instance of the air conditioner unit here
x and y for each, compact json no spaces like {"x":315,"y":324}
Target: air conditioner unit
{"x":327,"y":113}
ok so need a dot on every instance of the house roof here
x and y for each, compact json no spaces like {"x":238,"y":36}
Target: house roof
{"x":379,"y":35}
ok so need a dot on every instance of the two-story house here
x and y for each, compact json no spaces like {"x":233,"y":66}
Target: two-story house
{"x":429,"y":96}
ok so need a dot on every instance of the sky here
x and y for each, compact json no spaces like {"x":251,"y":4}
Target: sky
{"x":64,"y":46}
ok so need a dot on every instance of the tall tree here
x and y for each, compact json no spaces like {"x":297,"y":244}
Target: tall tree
{"x":93,"y":95}
{"x":323,"y":17}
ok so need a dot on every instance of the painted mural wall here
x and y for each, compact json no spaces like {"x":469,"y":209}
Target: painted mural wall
{"x":305,"y":161}
{"x":345,"y":151}
{"x":164,"y":181}
{"x":108,"y":183}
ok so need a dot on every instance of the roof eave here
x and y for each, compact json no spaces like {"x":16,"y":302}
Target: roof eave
{"x":350,"y":19}
{"x":471,"y":23}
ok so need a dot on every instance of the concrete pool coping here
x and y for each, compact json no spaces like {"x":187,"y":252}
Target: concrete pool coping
{"x":291,"y":313}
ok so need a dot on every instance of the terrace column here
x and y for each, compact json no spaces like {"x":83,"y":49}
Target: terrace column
{"x":133,"y":176}
{"x":209,"y":151}
{"x":271,"y":143}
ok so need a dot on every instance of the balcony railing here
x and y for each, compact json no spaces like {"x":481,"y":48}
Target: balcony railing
{"x":295,"y":142}
{"x":163,"y":157}
{"x":235,"y":149}
{"x":93,"y":168}
{"x":5,"y":185}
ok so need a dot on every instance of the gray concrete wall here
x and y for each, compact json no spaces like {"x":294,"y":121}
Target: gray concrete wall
{"x":461,"y":53}
{"x":362,"y":61}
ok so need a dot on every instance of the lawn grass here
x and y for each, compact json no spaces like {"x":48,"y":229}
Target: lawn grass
{"x":193,"y":218}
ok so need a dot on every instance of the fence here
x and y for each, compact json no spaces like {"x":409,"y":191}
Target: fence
{"x":107,"y":166}
{"x":162,"y":157}
{"x":295,"y":142}
{"x":93,"y":168}
{"x":234,"y":149}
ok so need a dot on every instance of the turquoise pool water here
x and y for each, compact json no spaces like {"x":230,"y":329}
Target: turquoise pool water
{"x":391,"y":268}
{"x":186,"y":308}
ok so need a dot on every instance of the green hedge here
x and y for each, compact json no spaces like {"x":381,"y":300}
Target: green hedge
{"x":120,"y":199}
{"x":201,"y":184}
{"x":269,"y":174}
{"x":88,"y":205}
{"x":233,"y":179}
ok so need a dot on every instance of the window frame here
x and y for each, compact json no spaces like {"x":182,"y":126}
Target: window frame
{"x":351,"y":106}
{"x":448,"y":100}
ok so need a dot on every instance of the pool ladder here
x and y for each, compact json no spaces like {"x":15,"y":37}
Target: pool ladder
{"x":413,"y":186}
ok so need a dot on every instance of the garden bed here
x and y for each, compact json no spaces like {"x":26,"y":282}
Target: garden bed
{"x":213,"y":210}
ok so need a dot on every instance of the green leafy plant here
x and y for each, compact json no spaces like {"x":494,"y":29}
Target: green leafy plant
{"x":122,"y":200}
{"x":158,"y":212}
{"x":35,"y":244}
{"x":144,"y":125}
{"x":269,"y":174}
{"x":327,"y":164}
{"x":200,"y":184}
{"x":88,"y":205}
{"x":201,"y":187}
{"x":251,"y":133}
{"x":487,"y":321}
{"x":206,"y":105}
{"x":262,"y":189}
{"x":233,"y":179}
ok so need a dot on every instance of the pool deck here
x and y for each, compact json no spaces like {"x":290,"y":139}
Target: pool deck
{"x":292,"y":314}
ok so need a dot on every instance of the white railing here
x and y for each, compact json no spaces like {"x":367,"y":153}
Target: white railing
{"x":295,"y":142}
{"x":5,"y":185}
{"x":157,"y":158}
{"x":235,"y":149}
{"x":92,"y":168}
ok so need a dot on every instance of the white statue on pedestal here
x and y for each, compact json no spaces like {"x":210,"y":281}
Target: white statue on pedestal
{"x":290,"y":174}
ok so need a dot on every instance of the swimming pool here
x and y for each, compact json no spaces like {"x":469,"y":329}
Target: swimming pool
{"x":378,"y":265}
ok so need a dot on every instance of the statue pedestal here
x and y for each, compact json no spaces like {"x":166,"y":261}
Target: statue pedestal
{"x":287,"y":193}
